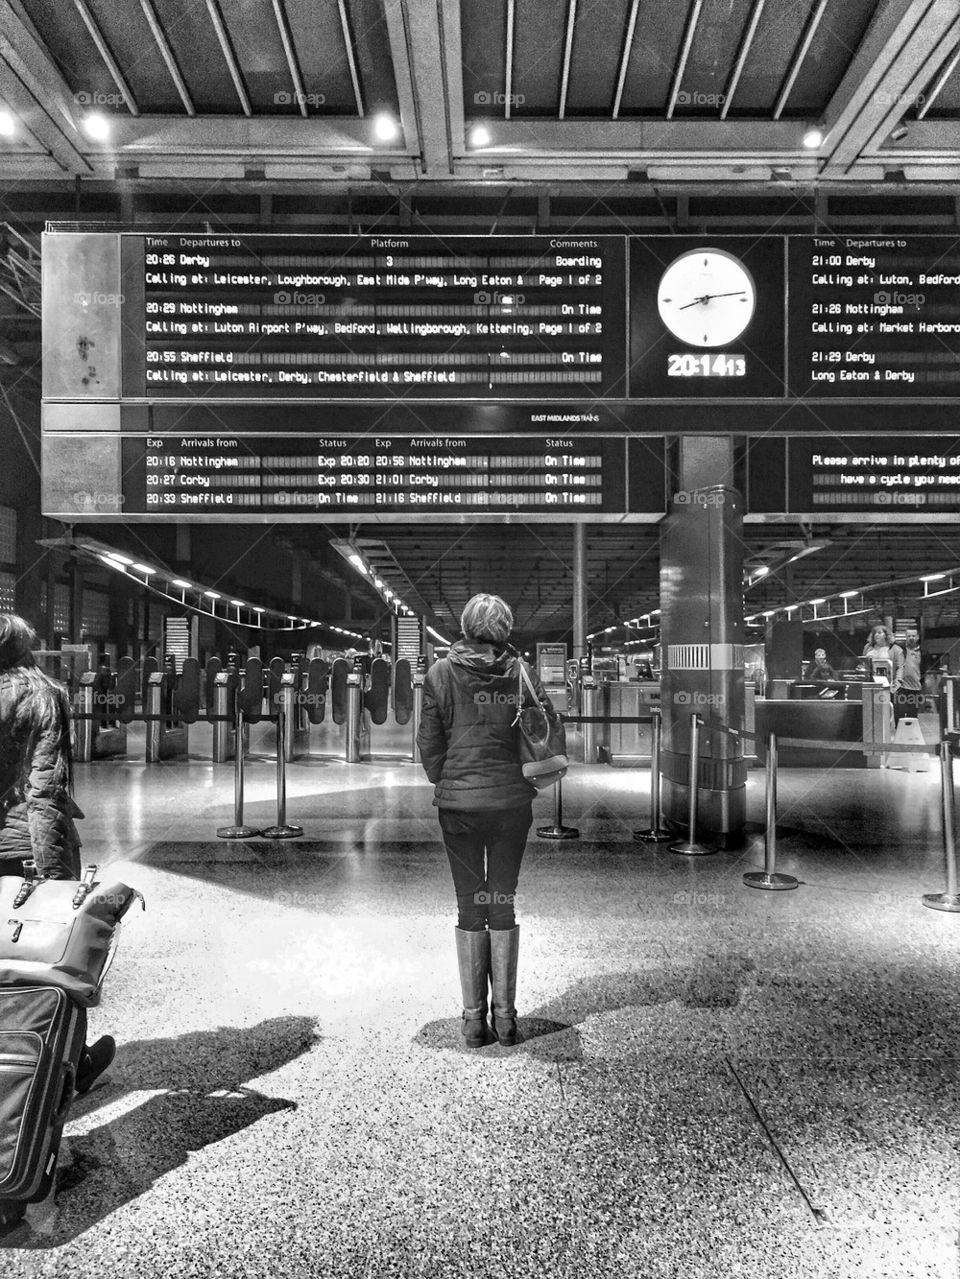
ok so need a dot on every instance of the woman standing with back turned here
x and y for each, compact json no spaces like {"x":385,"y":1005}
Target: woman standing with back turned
{"x":469,"y":748}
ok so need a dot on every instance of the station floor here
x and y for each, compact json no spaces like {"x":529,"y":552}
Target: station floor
{"x":713,"y":1081}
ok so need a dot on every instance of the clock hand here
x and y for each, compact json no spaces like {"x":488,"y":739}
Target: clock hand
{"x":708,"y":297}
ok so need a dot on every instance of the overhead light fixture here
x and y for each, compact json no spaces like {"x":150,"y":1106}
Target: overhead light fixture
{"x":479,"y":136}
{"x":813,"y":138}
{"x":848,"y":595}
{"x":143,"y":568}
{"x":178,"y":581}
{"x":385,"y":127}
{"x":357,"y":563}
{"x":212,"y":595}
{"x":8,"y":124}
{"x":96,"y":126}
{"x":124,"y":559}
{"x":820,"y":601}
{"x":933,"y":577}
{"x":239,"y":603}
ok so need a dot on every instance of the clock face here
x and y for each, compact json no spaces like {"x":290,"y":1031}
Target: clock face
{"x":706,"y":297}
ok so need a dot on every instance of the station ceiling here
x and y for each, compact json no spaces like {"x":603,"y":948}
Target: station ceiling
{"x":597,"y":115}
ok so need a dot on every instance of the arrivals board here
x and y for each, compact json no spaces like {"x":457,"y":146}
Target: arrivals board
{"x":473,"y":477}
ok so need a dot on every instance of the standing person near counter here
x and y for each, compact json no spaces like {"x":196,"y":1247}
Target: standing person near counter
{"x":820,"y":668}
{"x":908,"y":685}
{"x":470,"y":750}
{"x":881,"y":648}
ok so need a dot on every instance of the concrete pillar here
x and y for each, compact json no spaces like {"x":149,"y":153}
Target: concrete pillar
{"x":701,"y":601}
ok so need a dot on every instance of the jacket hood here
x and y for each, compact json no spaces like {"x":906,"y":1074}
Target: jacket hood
{"x":483,"y":659}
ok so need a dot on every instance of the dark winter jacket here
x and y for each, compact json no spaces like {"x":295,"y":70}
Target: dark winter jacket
{"x":36,"y":808}
{"x":468,"y":739}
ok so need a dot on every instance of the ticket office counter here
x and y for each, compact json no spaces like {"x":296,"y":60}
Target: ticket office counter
{"x":863,"y":715}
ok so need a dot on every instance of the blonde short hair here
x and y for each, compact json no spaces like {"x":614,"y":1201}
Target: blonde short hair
{"x":486,"y":619}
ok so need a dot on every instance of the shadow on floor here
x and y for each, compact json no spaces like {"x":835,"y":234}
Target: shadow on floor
{"x":204,"y":1101}
{"x":549,"y":1031}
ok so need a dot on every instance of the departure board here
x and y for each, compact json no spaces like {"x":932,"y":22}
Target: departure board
{"x":374,"y":316}
{"x":875,"y":316}
{"x":325,"y":476}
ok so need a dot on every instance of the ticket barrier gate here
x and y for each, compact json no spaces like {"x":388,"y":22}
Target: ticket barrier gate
{"x":104,"y":705}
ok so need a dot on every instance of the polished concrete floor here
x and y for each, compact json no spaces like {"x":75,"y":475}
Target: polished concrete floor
{"x":713,"y":1081}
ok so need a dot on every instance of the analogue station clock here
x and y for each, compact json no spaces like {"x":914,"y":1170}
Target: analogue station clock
{"x":706,"y":297}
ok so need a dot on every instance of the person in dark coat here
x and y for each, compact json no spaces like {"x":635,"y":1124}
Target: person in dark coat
{"x":37,"y":808}
{"x":469,"y":747}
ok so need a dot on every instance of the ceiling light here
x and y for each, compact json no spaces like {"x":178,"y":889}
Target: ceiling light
{"x":124,"y":559}
{"x":479,"y":136}
{"x":821,"y":601}
{"x":357,"y":562}
{"x":257,"y":609}
{"x":762,"y":571}
{"x":933,"y":577}
{"x":213,"y":595}
{"x":813,"y":138}
{"x":96,"y":126}
{"x":385,"y":128}
{"x":8,"y":124}
{"x":848,"y":595}
{"x":178,"y":581}
{"x":239,"y":603}
{"x":143,"y":568}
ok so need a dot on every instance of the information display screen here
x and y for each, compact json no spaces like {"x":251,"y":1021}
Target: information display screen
{"x":374,"y":316}
{"x":916,"y":475}
{"x":875,"y":317}
{"x":321,"y":476}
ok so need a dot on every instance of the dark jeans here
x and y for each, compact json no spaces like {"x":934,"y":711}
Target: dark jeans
{"x":485,"y":893}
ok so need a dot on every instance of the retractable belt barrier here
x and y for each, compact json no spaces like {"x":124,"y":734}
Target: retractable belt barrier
{"x":945,"y":749}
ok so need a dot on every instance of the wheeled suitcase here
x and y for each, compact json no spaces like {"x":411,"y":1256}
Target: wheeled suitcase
{"x":42,"y":1033}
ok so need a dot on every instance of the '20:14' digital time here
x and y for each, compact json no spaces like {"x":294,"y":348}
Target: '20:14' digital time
{"x":689,"y":365}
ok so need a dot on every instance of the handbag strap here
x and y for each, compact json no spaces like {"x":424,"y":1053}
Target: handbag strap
{"x":525,"y":684}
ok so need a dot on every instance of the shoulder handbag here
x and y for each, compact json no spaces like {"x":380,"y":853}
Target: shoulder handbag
{"x":543,"y":743}
{"x":61,"y":932}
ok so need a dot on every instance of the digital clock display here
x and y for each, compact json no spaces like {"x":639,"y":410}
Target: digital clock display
{"x":686,"y":364}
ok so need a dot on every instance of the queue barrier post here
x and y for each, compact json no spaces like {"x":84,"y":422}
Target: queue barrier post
{"x":418,"y":677}
{"x":353,"y":717}
{"x":768,"y":878}
{"x":949,"y":900}
{"x":283,"y":829}
{"x":656,"y":833}
{"x":691,"y":846}
{"x":83,"y":727}
{"x":558,"y":830}
{"x":238,"y":830}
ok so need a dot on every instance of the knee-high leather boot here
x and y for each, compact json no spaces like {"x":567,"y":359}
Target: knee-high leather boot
{"x":473,"y":959}
{"x":504,"y":945}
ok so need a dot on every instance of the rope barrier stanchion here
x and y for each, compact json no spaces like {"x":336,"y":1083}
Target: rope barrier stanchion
{"x":558,"y":830}
{"x":691,"y":846}
{"x":949,"y":900}
{"x":657,"y":833}
{"x":283,"y":829}
{"x":238,"y":830}
{"x":768,"y":877}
